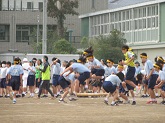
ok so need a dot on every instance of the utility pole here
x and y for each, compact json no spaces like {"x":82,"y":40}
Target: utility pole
{"x":37,"y":31}
{"x":44,"y":33}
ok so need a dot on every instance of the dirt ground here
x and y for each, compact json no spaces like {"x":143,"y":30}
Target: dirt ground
{"x":84,"y":110}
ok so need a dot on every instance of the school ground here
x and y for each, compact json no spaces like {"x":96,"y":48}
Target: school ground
{"x":84,"y":110}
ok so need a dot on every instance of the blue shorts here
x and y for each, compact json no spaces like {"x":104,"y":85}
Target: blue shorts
{"x":15,"y":83}
{"x":145,"y":82}
{"x":109,"y":87}
{"x":83,"y":77}
{"x":9,"y":83}
{"x":98,"y":72}
{"x":3,"y":83}
{"x":63,"y":82}
{"x":55,"y":80}
{"x":121,"y":89}
{"x":129,"y":87}
{"x":30,"y":80}
{"x":163,"y":87}
{"x":152,"y":81}
{"x":130,"y":73}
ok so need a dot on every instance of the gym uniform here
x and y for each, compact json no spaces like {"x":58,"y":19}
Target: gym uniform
{"x":56,"y":74}
{"x":152,"y":80}
{"x":15,"y":71}
{"x":31,"y":77}
{"x":64,"y":80}
{"x":131,"y":66}
{"x":97,"y":71}
{"x":162,"y":78}
{"x":82,"y":70}
{"x":110,"y":83}
{"x":3,"y":77}
{"x":110,"y":70}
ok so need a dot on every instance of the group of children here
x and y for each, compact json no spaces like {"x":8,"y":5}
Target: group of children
{"x":85,"y":74}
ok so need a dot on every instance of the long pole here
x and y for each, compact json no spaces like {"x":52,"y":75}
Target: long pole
{"x":44,"y":33}
{"x":37,"y":31}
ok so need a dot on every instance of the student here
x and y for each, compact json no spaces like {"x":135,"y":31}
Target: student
{"x":97,"y":68}
{"x":82,"y":70}
{"x":110,"y":68}
{"x":31,"y":78}
{"x":158,"y":68}
{"x":151,"y":76}
{"x":138,"y":76}
{"x":16,"y":73}
{"x":56,"y":74}
{"x":129,"y":61}
{"x":45,"y":77}
{"x":111,"y":86}
{"x":38,"y":75}
{"x":121,"y":89}
{"x":66,"y":81}
{"x":3,"y":71}
{"x":25,"y":66}
{"x":159,"y":60}
{"x":8,"y":83}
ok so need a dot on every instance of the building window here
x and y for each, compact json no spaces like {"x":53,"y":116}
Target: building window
{"x":29,"y":5}
{"x":40,"y":6}
{"x":4,"y":33}
{"x":22,"y":33}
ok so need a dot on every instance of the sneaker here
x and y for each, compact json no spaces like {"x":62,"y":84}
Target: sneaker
{"x":14,"y":101}
{"x":134,"y":103}
{"x":62,"y":100}
{"x":23,"y":95}
{"x":1,"y":96}
{"x":72,"y":99}
{"x":127,"y":102}
{"x":106,"y":102}
{"x":58,"y":95}
{"x":157,"y":96}
{"x":119,"y":102}
{"x":115,"y":104}
{"x":163,"y":102}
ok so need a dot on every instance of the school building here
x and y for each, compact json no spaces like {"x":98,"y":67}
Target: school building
{"x":19,"y":17}
{"x":142,"y":22}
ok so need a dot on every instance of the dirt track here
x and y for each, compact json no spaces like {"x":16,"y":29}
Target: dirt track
{"x":84,"y":110}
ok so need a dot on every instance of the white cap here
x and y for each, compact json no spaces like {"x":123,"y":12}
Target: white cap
{"x":25,"y":60}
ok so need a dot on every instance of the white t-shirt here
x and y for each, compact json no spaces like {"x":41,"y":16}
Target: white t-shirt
{"x":3,"y":72}
{"x":70,"y":77}
{"x":162,"y":75}
{"x":80,"y":68}
{"x":114,"y":79}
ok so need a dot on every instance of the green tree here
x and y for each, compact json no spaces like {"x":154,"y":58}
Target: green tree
{"x":84,"y":43}
{"x":64,"y":47}
{"x":59,"y":9}
{"x":110,"y":46}
{"x":52,"y":38}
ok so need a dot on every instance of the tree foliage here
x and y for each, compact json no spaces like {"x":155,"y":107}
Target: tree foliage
{"x":64,"y":47}
{"x":110,"y":46}
{"x":59,"y":9}
{"x":55,"y":45}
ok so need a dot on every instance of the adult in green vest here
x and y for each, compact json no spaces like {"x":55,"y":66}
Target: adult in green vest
{"x":45,"y":77}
